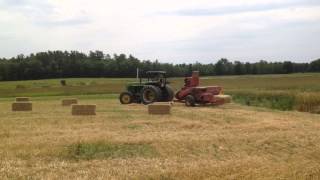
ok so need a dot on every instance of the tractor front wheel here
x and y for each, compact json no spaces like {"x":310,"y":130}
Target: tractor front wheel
{"x":190,"y":101}
{"x":126,"y":98}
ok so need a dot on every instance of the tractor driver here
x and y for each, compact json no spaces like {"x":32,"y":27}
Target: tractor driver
{"x":158,"y":78}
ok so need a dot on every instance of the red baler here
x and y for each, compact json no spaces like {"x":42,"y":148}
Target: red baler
{"x":193,"y":94}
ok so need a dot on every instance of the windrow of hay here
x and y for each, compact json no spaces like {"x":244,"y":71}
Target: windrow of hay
{"x":308,"y":102}
{"x":22,"y":106}
{"x":159,"y":108}
{"x":83,"y":110}
{"x":68,"y":102}
{"x":22,"y":99}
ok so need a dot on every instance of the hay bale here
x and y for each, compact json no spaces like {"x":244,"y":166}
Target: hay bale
{"x":159,"y":108}
{"x":22,"y":99}
{"x":68,"y":102}
{"x":22,"y":106}
{"x":83,"y":110}
{"x":165,"y":103}
{"x":226,"y":98}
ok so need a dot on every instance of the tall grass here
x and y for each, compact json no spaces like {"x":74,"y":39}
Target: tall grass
{"x":304,"y":102}
{"x":274,"y":100}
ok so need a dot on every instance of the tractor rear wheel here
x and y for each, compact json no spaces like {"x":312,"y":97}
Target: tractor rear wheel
{"x":190,"y":101}
{"x":169,"y":93}
{"x":126,"y":98}
{"x":150,"y":94}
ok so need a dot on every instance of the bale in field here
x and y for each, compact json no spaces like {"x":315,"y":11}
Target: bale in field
{"x":83,"y":109}
{"x":22,"y":99}
{"x":63,"y":82}
{"x":159,"y":108}
{"x":226,"y":98}
{"x":22,"y":106}
{"x":170,"y":103}
{"x":68,"y":102}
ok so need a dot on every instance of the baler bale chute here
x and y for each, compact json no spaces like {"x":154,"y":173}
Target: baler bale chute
{"x":193,"y":94}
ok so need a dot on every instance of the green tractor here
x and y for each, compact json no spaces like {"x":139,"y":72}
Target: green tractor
{"x":154,"y":89}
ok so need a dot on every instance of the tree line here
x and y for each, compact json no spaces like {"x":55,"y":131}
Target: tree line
{"x":66,"y":64}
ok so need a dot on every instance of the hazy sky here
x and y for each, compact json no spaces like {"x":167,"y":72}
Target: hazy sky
{"x":168,"y":30}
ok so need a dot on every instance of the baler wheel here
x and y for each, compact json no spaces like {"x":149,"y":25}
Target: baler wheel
{"x":190,"y":101}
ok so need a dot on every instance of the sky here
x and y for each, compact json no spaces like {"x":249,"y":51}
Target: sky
{"x":174,"y":31}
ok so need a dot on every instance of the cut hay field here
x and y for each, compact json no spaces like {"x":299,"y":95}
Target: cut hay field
{"x":232,"y":141}
{"x":124,"y":142}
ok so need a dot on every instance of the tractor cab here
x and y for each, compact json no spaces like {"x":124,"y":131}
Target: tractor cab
{"x":156,"y":77}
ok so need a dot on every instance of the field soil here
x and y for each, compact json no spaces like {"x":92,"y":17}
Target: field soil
{"x":125,"y":142}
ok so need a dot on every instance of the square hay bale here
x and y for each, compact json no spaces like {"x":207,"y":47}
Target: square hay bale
{"x":22,"y":106}
{"x":83,"y":110}
{"x":22,"y":99}
{"x":68,"y":102}
{"x":226,"y":98}
{"x":159,"y":108}
{"x":166,"y":103}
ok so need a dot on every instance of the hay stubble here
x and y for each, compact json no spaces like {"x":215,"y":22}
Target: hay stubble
{"x":226,"y":142}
